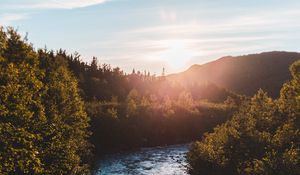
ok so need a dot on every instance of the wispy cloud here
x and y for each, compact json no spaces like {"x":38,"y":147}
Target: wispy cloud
{"x":153,"y":34}
{"x":13,"y":11}
{"x":7,"y":18}
{"x":204,"y":39}
{"x":54,"y":4}
{"x":168,"y":15}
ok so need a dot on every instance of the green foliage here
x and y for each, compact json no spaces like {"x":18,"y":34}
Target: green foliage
{"x":66,"y":148}
{"x":262,"y":138}
{"x":22,"y":113}
{"x":132,"y":100}
{"x":143,"y":121}
{"x":43,"y":125}
{"x":289,"y":101}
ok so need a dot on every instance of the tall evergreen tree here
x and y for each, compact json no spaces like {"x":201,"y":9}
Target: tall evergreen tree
{"x":65,"y":141}
{"x":43,"y":124}
{"x":21,"y":110}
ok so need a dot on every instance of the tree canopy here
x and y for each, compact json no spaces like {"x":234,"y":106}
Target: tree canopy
{"x":43,"y":124}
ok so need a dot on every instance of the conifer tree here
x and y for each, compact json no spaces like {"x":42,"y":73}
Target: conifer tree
{"x":66,"y":147}
{"x":43,"y":124}
{"x":21,"y":110}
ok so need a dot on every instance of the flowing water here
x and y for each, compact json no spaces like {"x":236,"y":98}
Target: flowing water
{"x":169,"y":160}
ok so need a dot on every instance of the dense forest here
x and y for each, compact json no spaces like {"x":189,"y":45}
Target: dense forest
{"x":139,"y":109}
{"x":57,"y":113}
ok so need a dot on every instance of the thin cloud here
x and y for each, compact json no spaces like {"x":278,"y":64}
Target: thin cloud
{"x":54,"y":4}
{"x":207,"y":39}
{"x":168,"y":15}
{"x":261,"y":21}
{"x":7,"y":18}
{"x":13,"y":8}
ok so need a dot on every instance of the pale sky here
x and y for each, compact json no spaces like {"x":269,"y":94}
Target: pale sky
{"x":152,"y":34}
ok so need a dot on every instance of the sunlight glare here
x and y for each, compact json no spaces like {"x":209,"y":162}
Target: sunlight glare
{"x":177,"y":55}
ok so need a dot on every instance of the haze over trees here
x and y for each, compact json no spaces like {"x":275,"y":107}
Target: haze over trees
{"x":139,"y":109}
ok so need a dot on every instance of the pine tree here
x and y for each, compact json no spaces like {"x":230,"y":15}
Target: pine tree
{"x":21,"y":110}
{"x":65,"y":142}
{"x":43,"y":124}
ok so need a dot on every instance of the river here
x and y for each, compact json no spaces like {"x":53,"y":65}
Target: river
{"x":168,"y":160}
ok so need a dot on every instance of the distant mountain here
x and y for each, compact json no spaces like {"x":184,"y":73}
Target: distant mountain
{"x":242,"y":74}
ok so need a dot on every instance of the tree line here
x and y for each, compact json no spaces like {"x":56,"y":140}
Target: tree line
{"x":140,"y":109}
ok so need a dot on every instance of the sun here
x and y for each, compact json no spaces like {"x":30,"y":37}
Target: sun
{"x":177,"y":54}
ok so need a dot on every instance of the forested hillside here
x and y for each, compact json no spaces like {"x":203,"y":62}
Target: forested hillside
{"x":242,"y":74}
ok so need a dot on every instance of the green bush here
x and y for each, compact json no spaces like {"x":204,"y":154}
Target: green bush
{"x":263,"y":137}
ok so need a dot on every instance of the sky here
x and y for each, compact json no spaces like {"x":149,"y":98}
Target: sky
{"x":155,"y":34}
